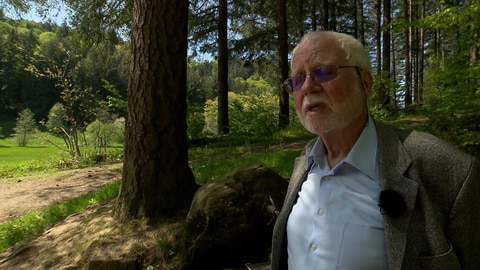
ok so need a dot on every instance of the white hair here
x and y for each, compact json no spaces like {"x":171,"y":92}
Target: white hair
{"x":354,"y":50}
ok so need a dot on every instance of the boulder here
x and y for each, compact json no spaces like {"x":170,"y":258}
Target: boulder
{"x":228,"y":225}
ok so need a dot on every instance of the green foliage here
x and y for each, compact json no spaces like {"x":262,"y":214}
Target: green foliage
{"x":195,"y":120}
{"x":26,"y":227}
{"x":382,"y":85}
{"x":57,"y":118}
{"x":378,"y":112}
{"x":253,"y":112}
{"x":454,"y":103}
{"x":115,"y":100}
{"x":34,"y":55}
{"x":200,"y":82}
{"x":102,"y":134}
{"x":25,"y":126}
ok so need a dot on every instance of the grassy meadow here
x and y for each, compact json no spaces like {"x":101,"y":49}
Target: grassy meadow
{"x":11,"y":153}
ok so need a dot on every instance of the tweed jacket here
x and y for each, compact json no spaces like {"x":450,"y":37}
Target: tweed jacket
{"x":440,"y":185}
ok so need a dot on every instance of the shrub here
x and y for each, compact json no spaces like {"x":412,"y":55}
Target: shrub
{"x":254,"y":114}
{"x":102,"y":134}
{"x":195,"y":120}
{"x":25,"y":126}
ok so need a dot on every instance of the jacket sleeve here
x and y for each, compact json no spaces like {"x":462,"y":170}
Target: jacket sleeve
{"x":463,"y":228}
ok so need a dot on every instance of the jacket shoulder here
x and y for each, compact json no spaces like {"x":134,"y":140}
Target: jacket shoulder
{"x":428,"y":152}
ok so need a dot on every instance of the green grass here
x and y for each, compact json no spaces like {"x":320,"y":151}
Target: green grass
{"x":36,"y":157}
{"x":36,"y":149}
{"x":14,"y":155}
{"x":280,"y":161}
{"x":44,"y":153}
{"x":25,"y":228}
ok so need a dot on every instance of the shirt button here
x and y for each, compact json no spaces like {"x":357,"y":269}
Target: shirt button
{"x":327,"y":178}
{"x":314,"y":247}
{"x":320,"y":212}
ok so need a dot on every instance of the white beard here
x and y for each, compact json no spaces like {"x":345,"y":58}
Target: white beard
{"x":332,"y":117}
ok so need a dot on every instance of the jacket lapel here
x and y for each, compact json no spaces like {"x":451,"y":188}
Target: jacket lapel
{"x":299,"y":175}
{"x":394,"y":164}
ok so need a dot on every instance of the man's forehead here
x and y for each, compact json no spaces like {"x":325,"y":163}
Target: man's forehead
{"x":317,"y":54}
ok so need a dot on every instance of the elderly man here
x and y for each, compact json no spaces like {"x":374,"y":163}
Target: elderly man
{"x":364,"y":195}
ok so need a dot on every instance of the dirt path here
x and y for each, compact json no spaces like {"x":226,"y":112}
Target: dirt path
{"x":20,"y":195}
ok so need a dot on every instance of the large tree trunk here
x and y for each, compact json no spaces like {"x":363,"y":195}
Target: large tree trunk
{"x":157,"y":180}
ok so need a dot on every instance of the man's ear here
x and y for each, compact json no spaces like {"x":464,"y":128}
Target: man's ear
{"x":367,"y":82}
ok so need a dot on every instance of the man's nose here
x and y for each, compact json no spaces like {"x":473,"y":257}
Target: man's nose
{"x":309,"y":84}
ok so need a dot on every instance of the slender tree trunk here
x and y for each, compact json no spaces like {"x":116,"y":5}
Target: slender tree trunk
{"x":362,"y":22}
{"x":378,"y":39}
{"x":314,"y":16}
{"x":355,"y":19}
{"x":408,"y":56}
{"x":332,"y":15}
{"x":223,"y":124}
{"x":394,"y":76}
{"x":421,"y":56}
{"x":282,"y":29}
{"x":301,"y":8}
{"x":325,"y":15}
{"x":157,"y":180}
{"x":475,"y":49}
{"x":383,"y":91}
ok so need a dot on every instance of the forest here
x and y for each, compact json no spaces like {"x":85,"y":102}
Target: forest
{"x":178,"y":73}
{"x":424,"y":57}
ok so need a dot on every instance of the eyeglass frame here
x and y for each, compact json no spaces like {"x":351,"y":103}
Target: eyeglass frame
{"x":288,"y":85}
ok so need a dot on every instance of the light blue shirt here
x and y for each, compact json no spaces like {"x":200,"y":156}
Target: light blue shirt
{"x":336,"y":222}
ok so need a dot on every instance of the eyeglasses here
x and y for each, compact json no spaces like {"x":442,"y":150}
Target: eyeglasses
{"x":322,"y":74}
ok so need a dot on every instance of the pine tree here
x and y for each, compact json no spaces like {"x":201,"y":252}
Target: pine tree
{"x":25,"y":126}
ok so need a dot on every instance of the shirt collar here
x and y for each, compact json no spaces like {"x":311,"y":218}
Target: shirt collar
{"x":362,"y":156}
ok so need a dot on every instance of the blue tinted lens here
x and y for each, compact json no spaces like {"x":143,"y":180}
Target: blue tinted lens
{"x":297,"y":82}
{"x":321,"y":74}
{"x":324,"y":74}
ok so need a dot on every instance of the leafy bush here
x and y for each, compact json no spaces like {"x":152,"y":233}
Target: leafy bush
{"x":195,"y":120}
{"x":57,"y":118}
{"x":254,"y":114}
{"x":102,"y":134}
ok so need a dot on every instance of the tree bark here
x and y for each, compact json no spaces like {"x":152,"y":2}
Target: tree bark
{"x":282,"y":29}
{"x":325,"y":15}
{"x":383,"y":91}
{"x":223,"y":123}
{"x":157,"y":181}
{"x":408,"y":56}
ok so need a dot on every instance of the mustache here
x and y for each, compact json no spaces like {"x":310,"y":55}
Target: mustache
{"x":310,"y":100}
